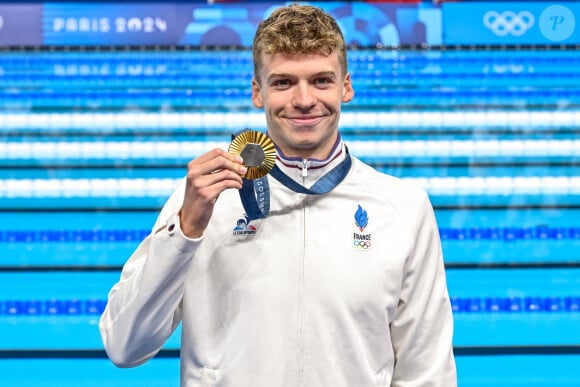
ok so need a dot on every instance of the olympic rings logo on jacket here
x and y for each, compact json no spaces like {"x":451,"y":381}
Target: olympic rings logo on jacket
{"x":361,"y":245}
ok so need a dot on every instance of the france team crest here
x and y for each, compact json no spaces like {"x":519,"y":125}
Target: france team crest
{"x":361,"y":241}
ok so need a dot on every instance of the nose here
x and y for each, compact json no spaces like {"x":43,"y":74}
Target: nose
{"x":303,"y":98}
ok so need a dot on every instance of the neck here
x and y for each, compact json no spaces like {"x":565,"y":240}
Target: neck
{"x":318,"y":155}
{"x":307,"y":170}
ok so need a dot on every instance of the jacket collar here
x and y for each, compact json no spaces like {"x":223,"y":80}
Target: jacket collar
{"x":307,"y":171}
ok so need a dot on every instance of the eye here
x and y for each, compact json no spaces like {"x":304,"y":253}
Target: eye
{"x":281,"y":83}
{"x":322,"y":81}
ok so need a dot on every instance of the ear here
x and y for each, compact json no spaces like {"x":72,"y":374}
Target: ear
{"x":347,"y":90}
{"x":257,"y":94}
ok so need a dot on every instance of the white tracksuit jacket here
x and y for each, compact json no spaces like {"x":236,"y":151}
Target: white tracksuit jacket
{"x":305,"y":297}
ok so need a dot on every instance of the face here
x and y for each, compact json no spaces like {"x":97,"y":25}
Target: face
{"x":302,"y":95}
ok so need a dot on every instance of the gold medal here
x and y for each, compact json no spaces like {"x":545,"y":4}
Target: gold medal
{"x":257,"y":151}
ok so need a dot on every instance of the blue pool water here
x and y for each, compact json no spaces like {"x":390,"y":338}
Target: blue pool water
{"x":92,"y":144}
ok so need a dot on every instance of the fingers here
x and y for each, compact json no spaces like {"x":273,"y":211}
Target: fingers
{"x":217,"y":168}
{"x":210,"y":186}
{"x":216,"y":160}
{"x":207,"y":177}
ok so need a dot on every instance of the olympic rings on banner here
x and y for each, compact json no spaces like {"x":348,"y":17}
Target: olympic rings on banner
{"x":508,"y":22}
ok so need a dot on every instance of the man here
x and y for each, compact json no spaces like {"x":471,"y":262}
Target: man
{"x":340,"y":283}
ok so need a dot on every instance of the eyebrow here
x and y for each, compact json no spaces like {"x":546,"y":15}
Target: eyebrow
{"x":331,"y":74}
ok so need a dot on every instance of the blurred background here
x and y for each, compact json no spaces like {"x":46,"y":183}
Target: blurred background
{"x":103,"y":104}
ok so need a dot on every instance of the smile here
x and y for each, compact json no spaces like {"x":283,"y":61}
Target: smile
{"x":305,"y":121}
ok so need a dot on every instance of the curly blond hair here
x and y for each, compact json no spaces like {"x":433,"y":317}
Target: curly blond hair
{"x":298,"y":29}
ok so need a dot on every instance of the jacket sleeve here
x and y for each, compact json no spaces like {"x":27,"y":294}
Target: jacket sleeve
{"x":422,"y":331}
{"x":143,"y":307}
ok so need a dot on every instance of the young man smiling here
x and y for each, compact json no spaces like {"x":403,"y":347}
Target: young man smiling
{"x":302,"y":96}
{"x":337,"y":281}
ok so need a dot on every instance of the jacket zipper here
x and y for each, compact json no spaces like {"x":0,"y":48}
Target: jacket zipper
{"x":301,"y":296}
{"x":304,"y":169}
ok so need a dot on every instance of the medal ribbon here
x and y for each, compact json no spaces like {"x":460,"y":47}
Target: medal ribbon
{"x":325,"y":184}
{"x":255,"y":194}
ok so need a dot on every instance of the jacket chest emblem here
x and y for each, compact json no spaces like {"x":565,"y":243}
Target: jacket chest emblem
{"x":243,"y":227}
{"x":361,"y":241}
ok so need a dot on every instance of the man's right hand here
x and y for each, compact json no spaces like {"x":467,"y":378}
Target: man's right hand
{"x":207,"y":177}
